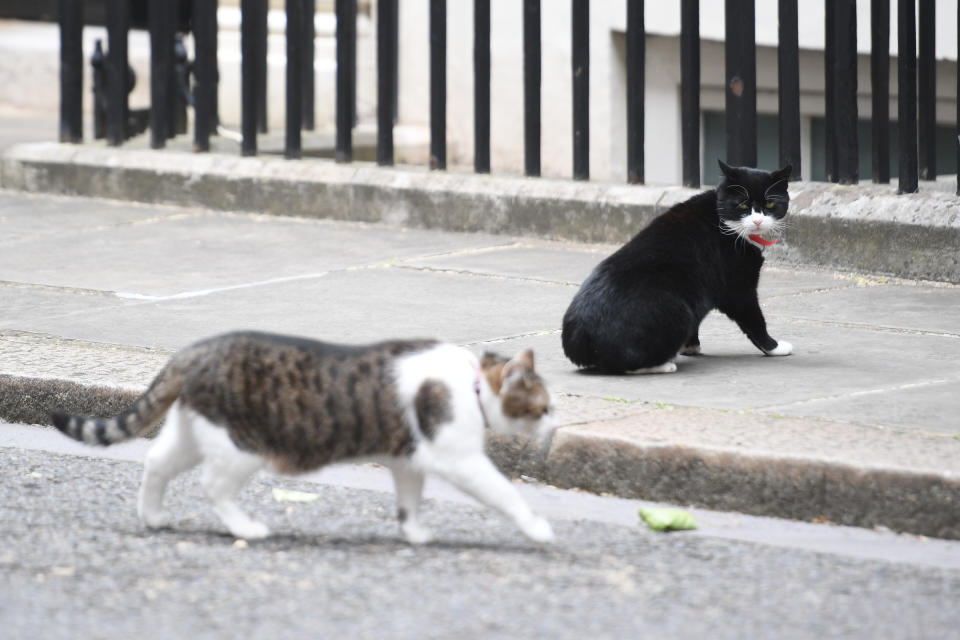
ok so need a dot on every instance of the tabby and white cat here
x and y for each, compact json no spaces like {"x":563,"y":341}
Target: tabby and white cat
{"x":245,"y":401}
{"x":642,"y":306}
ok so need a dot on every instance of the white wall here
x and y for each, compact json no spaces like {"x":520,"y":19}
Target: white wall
{"x":506,"y":53}
{"x":607,"y":78}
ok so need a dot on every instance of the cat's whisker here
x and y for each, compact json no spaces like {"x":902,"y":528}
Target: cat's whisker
{"x":771,"y":187}
{"x":741,"y":187}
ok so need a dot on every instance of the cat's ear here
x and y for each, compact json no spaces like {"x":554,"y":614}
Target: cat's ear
{"x":726,"y":169}
{"x":785,"y":173}
{"x":490,"y":359}
{"x":526,"y":356}
{"x":523,"y":360}
{"x":493,"y":366}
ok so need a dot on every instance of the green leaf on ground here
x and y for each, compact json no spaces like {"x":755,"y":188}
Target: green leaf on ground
{"x":660,"y":519}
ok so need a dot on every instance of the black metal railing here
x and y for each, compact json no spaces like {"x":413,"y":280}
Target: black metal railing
{"x":907,"y":92}
{"x":740,"y":63}
{"x":346,"y":78}
{"x":531,"y":87}
{"x":916,"y":82}
{"x":387,"y":42}
{"x":880,"y":88}
{"x":481,"y":86}
{"x":689,"y":91}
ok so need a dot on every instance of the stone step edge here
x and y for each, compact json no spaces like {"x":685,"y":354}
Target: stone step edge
{"x":802,"y":488}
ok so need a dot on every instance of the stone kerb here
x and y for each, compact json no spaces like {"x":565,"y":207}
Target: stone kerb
{"x":859,"y":228}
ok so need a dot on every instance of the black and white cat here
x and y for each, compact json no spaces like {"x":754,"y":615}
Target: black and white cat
{"x":642,"y":306}
{"x":240,"y":402}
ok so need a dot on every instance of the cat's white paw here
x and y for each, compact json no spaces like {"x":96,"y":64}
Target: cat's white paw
{"x":156,"y":520}
{"x":783,"y":348}
{"x":666,"y":367}
{"x":252,"y":530}
{"x":416,"y":533}
{"x":538,"y":530}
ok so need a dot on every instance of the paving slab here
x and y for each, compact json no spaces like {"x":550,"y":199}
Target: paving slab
{"x":895,"y":306}
{"x":858,"y":426}
{"x":177,"y":253}
{"x":550,"y":262}
{"x":361,"y":305}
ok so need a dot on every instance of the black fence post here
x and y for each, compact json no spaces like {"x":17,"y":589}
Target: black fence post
{"x":260,"y":10}
{"x":829,"y":60}
{"x":690,"y":91}
{"x":249,"y":102}
{"x":180,"y":87}
{"x":215,"y":92}
{"x":845,"y":90}
{"x":161,"y":71}
{"x":346,"y":11}
{"x":636,"y":61}
{"x":481,"y":86}
{"x":788,"y":74}
{"x":294,"y":78}
{"x":581,"y":89}
{"x":531,"y":87}
{"x":386,"y":72}
{"x":438,"y":84}
{"x":907,"y":95}
{"x":927,"y":92}
{"x":741,"y":81}
{"x":205,"y":72}
{"x":98,"y":62}
{"x":118,"y":25}
{"x":308,"y":79}
{"x":880,"y":89}
{"x":71,"y":70}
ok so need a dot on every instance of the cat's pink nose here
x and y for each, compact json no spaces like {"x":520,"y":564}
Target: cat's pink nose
{"x":758,"y":222}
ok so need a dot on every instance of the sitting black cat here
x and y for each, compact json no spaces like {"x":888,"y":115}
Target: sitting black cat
{"x":643,"y":305}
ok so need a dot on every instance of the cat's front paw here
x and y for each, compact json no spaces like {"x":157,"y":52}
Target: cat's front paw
{"x":252,"y":530}
{"x":783,"y":348}
{"x":666,"y":367}
{"x":416,"y":533}
{"x":538,"y":530}
{"x":156,"y":520}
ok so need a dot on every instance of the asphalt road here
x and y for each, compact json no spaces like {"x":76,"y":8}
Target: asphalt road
{"x":77,"y":564}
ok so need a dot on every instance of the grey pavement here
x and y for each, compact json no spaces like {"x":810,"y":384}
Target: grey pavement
{"x":860,"y":426}
{"x":862,"y":227}
{"x":20,"y":126}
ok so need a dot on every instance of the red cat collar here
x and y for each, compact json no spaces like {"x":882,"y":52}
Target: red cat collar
{"x":762,"y":240}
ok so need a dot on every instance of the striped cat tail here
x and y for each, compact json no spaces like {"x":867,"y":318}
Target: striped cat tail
{"x":145,"y":411}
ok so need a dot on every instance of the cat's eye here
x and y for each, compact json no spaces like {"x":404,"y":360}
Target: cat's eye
{"x":743,"y":206}
{"x":769,"y":204}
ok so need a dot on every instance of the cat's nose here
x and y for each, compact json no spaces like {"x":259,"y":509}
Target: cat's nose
{"x":758,"y":221}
